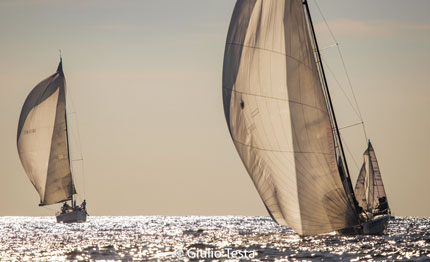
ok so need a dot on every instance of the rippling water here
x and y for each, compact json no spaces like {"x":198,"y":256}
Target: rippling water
{"x":226,"y":238}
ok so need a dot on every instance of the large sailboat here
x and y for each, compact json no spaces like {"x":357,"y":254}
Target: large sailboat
{"x":43,"y":147}
{"x":281,"y":118}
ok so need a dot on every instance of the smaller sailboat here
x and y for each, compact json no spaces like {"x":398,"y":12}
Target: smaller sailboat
{"x":43,"y":147}
{"x":370,"y":191}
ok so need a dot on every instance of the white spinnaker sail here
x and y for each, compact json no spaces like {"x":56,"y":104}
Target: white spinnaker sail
{"x":369,"y":187}
{"x":42,"y":140}
{"x":278,"y":118}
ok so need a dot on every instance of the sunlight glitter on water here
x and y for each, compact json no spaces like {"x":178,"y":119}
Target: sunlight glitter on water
{"x":161,"y":238}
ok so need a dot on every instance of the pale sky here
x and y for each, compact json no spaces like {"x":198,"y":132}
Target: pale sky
{"x":145,"y":80}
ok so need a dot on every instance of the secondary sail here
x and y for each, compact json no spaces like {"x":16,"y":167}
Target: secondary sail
{"x":369,"y":188}
{"x":42,"y":140}
{"x":278,"y":118}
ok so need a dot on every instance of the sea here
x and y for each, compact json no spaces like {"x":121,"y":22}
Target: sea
{"x":196,"y":238}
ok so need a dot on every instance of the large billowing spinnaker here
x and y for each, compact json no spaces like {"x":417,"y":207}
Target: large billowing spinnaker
{"x":278,"y":118}
{"x":42,"y":140}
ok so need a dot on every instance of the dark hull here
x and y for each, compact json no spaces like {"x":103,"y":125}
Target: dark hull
{"x":376,"y":226}
{"x":75,"y":216}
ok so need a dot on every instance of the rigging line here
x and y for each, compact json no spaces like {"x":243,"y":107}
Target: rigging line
{"x":349,"y":151}
{"x":325,"y":21}
{"x":356,"y":124}
{"x":344,"y":67}
{"x":348,"y":78}
{"x":352,"y":90}
{"x":327,"y":47}
{"x":77,"y":134}
{"x":343,"y":91}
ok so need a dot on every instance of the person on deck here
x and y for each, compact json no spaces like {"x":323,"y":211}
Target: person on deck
{"x":65,"y":207}
{"x":383,"y":205}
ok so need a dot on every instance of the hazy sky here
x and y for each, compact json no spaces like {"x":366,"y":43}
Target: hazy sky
{"x":145,"y":80}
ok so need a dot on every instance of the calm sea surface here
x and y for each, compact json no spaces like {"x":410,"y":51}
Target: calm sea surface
{"x":201,"y":238}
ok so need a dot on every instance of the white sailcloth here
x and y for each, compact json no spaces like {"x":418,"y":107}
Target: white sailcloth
{"x":42,"y":140}
{"x":278,"y":118}
{"x":369,"y":187}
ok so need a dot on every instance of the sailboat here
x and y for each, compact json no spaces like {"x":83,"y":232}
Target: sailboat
{"x":369,"y":188}
{"x":43,"y":147}
{"x":281,"y":119}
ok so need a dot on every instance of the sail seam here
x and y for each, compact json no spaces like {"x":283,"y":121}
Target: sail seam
{"x":273,"y":51}
{"x":280,"y":151}
{"x":275,"y":98}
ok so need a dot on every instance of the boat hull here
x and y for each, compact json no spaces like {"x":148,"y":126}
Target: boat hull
{"x":75,"y":216}
{"x":376,"y":226}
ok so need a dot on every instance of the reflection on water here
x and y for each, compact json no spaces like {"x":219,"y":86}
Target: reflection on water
{"x":167,"y":238}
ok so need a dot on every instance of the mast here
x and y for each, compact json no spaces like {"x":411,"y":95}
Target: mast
{"x":67,"y":129}
{"x":68,"y":152}
{"x":330,"y":105}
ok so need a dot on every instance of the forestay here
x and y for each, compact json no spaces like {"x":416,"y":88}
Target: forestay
{"x":278,"y":118}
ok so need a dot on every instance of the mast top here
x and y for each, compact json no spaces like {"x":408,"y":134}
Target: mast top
{"x":60,"y":65}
